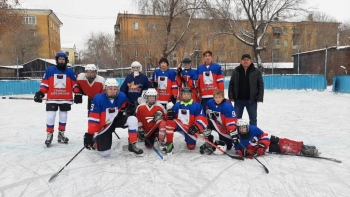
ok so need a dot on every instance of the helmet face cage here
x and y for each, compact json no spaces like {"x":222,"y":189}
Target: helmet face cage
{"x":136,"y":66}
{"x":242,"y":126}
{"x":151,"y":94}
{"x":188,"y":91}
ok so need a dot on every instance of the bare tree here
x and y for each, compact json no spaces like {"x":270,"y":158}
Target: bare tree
{"x":170,"y":10}
{"x":259,"y":13}
{"x":99,"y":48}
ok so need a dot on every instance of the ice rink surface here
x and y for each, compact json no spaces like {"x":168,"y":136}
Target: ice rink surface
{"x":318,"y":118}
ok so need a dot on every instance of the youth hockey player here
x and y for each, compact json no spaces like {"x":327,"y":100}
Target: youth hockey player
{"x":90,"y":84}
{"x":58,"y":83}
{"x":220,"y":113}
{"x":151,"y":117}
{"x":107,"y":114}
{"x":188,"y":77}
{"x":164,"y":80}
{"x":187,"y":118}
{"x":209,"y":78}
{"x":258,"y":142}
{"x":135,"y":85}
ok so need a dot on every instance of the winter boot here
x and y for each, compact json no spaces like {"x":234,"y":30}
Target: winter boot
{"x":62,"y":138}
{"x":137,"y":151}
{"x":48,"y":139}
{"x":309,"y":150}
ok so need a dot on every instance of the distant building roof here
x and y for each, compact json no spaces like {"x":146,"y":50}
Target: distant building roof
{"x":12,"y":67}
{"x":50,"y":61}
{"x":322,"y":49}
{"x":66,"y":45}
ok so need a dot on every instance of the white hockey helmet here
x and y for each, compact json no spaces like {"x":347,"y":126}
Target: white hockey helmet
{"x":111,"y":82}
{"x":136,"y":68}
{"x":242,"y":126}
{"x":90,"y":67}
{"x":221,"y":145}
{"x":151,"y":92}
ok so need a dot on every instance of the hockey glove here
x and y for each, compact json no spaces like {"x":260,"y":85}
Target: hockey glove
{"x":39,"y":97}
{"x":78,"y":98}
{"x":193,"y":129}
{"x":171,"y":115}
{"x":173,"y":99}
{"x":260,"y":149}
{"x":210,"y":114}
{"x":234,"y":136}
{"x":245,"y":153}
{"x":157,"y":116}
{"x":130,"y":108}
{"x":179,"y":71}
{"x":88,"y":141}
{"x":206,"y":132}
{"x":155,"y":84}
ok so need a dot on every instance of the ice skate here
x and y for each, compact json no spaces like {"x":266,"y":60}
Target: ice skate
{"x":61,"y":138}
{"x":137,"y":151}
{"x":48,"y":139}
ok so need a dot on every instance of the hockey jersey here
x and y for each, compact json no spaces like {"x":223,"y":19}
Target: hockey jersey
{"x":257,"y":136}
{"x":133,"y":86}
{"x":190,"y":78}
{"x":166,"y":84}
{"x":144,"y":115}
{"x":103,"y":111}
{"x":210,"y":78}
{"x":59,"y":85}
{"x":96,"y":87}
{"x":191,"y":113}
{"x":225,"y":114}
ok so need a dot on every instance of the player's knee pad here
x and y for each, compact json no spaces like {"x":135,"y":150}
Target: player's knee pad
{"x":105,"y":153}
{"x":63,"y":116}
{"x":132,"y":123}
{"x":191,"y":146}
{"x":51,"y":116}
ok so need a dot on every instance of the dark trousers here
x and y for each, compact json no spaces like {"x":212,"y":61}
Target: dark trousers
{"x":204,"y":102}
{"x":104,"y":141}
{"x":251,"y":109}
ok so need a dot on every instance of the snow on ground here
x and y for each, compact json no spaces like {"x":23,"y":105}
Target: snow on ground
{"x":319,"y":118}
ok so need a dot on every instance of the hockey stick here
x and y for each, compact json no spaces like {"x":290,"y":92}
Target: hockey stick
{"x":56,"y":174}
{"x":212,"y":144}
{"x":116,"y":134}
{"x":224,"y":128}
{"x":315,"y":157}
{"x":218,"y":148}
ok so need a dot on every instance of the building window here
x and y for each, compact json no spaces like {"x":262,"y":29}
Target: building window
{"x":295,"y":41}
{"x":148,"y":40}
{"x":30,"y":20}
{"x":232,"y":42}
{"x":149,"y":53}
{"x":285,"y":42}
{"x":67,"y":52}
{"x":136,"y":40}
{"x":231,"y":54}
{"x":208,"y":42}
{"x":277,"y":43}
{"x":136,"y":53}
{"x":285,"y":31}
{"x":135,"y":26}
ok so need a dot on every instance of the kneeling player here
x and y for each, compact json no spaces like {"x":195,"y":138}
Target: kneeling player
{"x":151,"y":120}
{"x":107,"y":114}
{"x":222,"y":119}
{"x":186,"y":117}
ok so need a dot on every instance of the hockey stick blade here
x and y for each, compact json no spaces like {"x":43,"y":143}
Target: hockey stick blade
{"x":315,"y":157}
{"x":56,"y":174}
{"x":234,"y":157}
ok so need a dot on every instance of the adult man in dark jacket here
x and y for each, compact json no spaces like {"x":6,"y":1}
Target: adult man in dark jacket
{"x":246,"y":88}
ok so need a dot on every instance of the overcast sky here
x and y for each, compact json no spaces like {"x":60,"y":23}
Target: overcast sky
{"x":80,"y":17}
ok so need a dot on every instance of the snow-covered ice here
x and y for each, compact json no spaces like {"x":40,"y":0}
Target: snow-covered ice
{"x":319,"y":118}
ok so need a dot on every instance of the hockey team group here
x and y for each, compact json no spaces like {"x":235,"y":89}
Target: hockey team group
{"x":186,"y":100}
